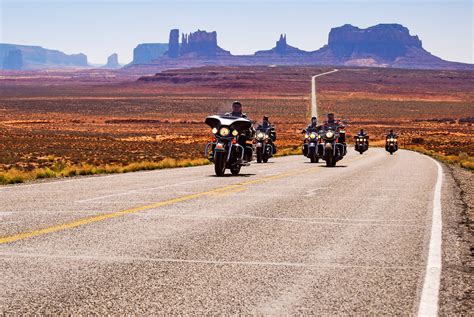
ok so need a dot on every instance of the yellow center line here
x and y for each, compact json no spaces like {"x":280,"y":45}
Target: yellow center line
{"x":101,"y":217}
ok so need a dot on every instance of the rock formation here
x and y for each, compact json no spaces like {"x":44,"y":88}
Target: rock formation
{"x":202,"y":44}
{"x":383,"y":45}
{"x":112,"y":61}
{"x":36,"y":57}
{"x":13,"y":60}
{"x":385,"y":41}
{"x":146,"y":52}
{"x":282,"y":49}
{"x":173,"y":49}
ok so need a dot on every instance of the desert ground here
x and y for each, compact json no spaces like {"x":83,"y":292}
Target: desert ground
{"x":57,"y":118}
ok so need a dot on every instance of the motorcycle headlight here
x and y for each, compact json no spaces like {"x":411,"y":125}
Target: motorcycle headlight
{"x":306,"y":135}
{"x":235,"y":132}
{"x":224,"y":131}
{"x":312,"y":135}
{"x":214,"y":130}
{"x":329,"y":134}
{"x":266,"y":136}
{"x":260,"y":135}
{"x":392,"y":140}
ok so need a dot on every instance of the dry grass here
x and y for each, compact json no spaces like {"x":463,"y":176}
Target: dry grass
{"x":463,"y":159}
{"x":64,"y":169}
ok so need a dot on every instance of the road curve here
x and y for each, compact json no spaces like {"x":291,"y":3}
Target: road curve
{"x":287,"y":237}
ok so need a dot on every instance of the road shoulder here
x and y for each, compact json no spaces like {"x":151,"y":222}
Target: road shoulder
{"x":456,"y":294}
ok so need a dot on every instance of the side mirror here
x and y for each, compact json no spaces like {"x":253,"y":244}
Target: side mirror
{"x":303,"y":131}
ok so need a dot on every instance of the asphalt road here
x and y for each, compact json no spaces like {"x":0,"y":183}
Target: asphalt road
{"x":287,"y":237}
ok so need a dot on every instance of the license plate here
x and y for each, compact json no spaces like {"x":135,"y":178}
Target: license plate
{"x":219,"y":146}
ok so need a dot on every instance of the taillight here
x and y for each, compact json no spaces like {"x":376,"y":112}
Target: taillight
{"x":234,"y":141}
{"x":213,"y":140}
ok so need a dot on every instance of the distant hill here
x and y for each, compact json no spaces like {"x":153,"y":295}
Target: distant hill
{"x":146,"y":52}
{"x":382,"y":45}
{"x":24,"y":57}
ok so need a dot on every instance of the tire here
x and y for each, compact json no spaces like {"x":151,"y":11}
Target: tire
{"x":219,"y":163}
{"x":313,"y":157}
{"x":265,"y":159}
{"x":361,"y":152}
{"x":259,"y":155}
{"x":330,"y":161}
{"x":235,"y":170}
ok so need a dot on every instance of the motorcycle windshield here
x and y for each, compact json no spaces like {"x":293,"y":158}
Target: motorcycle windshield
{"x":236,"y":123}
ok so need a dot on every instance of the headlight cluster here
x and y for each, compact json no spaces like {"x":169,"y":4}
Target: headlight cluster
{"x":313,"y":135}
{"x":329,"y":134}
{"x":260,"y":135}
{"x":224,"y":131}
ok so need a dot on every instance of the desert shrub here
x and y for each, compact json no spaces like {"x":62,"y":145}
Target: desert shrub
{"x":64,"y":169}
{"x":44,"y":173}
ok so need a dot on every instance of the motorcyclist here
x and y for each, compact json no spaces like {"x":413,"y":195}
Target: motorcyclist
{"x":237,"y":110}
{"x":363,"y":135}
{"x":336,"y":125}
{"x":391,"y":134}
{"x":266,"y":125}
{"x":245,"y":135}
{"x":313,"y":125}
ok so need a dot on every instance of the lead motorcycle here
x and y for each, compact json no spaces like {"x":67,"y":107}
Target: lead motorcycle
{"x":391,"y":144}
{"x":264,"y":144}
{"x":361,"y":143}
{"x":224,"y":150}
{"x":329,"y":148}
{"x":310,"y":145}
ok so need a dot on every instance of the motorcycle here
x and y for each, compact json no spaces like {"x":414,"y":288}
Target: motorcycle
{"x":361,"y":143}
{"x":391,"y":144}
{"x":264,"y":144}
{"x":225,"y":150}
{"x":329,"y":148}
{"x":310,"y":145}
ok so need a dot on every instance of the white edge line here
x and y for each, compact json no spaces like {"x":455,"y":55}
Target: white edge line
{"x":430,"y":293}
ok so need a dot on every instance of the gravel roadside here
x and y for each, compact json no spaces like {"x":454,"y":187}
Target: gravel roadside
{"x":457,"y":294}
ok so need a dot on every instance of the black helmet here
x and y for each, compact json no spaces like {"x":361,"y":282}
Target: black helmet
{"x":236,"y":103}
{"x":265,"y":118}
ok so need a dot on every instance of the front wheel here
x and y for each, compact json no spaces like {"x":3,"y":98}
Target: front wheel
{"x":259,"y":155}
{"x":265,"y":159}
{"x":235,"y":170}
{"x":219,"y":163}
{"x":331,"y":161}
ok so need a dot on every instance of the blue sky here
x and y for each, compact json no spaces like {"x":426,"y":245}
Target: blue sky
{"x":99,"y":28}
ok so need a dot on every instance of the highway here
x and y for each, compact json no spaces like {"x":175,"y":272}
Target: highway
{"x":286,"y":237}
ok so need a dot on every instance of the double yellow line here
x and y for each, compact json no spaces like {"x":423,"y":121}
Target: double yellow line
{"x":101,"y":217}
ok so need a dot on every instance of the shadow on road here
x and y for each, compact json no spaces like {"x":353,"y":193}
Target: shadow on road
{"x":230,"y":175}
